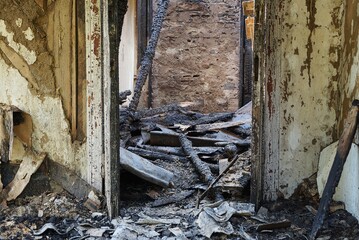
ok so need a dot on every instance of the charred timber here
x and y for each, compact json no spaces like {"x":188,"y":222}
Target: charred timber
{"x":147,"y":60}
{"x":201,"y":167}
{"x":155,"y":111}
{"x":150,"y":154}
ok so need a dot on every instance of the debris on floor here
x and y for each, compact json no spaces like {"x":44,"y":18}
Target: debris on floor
{"x":171,"y":191}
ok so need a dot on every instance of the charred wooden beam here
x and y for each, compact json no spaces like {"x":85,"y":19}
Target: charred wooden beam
{"x":343,"y":149}
{"x":202,"y":168}
{"x":155,"y":111}
{"x":146,"y":63}
{"x":211,"y":119}
{"x":217,"y":125}
{"x":150,"y":154}
{"x":168,"y":139}
{"x":179,"y":151}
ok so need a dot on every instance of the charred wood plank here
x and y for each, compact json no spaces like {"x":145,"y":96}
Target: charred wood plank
{"x":239,"y":143}
{"x":217,"y":125}
{"x":159,"y":138}
{"x":343,"y":149}
{"x":179,"y":152}
{"x":168,"y":150}
{"x":202,"y":168}
{"x":144,"y":169}
{"x":155,"y":111}
{"x":211,"y":119}
{"x":151,"y":154}
{"x":172,"y":199}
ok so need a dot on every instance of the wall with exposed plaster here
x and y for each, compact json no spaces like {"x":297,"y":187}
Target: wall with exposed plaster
{"x":296,"y":113}
{"x":35,"y":67}
{"x":348,"y":85}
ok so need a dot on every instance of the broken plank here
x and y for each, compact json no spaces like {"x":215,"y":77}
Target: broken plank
{"x":156,"y":111}
{"x":172,"y":199}
{"x":159,"y":138}
{"x":179,"y":152}
{"x":239,"y":143}
{"x":28,"y":166}
{"x":151,"y":154}
{"x":217,"y":125}
{"x":168,"y":150}
{"x":274,"y":225}
{"x":144,"y":169}
{"x":210,"y":119}
{"x":69,"y":181}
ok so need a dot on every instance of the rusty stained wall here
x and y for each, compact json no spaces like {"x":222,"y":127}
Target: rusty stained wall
{"x":298,"y":58}
{"x":32,"y":74}
{"x":349,"y":65}
{"x":197,"y":57}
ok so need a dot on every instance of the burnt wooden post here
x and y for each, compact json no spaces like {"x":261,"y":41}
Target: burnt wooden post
{"x":113,"y":14}
{"x":146,"y":63}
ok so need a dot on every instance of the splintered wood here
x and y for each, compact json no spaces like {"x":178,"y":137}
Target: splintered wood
{"x":174,"y":134}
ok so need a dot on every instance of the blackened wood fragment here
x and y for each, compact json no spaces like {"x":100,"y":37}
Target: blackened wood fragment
{"x":211,"y":119}
{"x":150,"y":154}
{"x":155,"y":111}
{"x":343,"y":149}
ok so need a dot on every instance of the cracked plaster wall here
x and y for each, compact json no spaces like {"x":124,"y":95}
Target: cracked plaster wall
{"x":300,"y":47}
{"x":28,"y":80}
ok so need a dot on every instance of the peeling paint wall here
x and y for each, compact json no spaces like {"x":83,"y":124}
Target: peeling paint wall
{"x":197,"y":57}
{"x":31,"y":77}
{"x":349,"y":65}
{"x":297,"y":74}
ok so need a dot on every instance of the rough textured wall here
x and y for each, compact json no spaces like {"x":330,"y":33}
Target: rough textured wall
{"x":197,"y":55}
{"x":349,"y":66}
{"x":30,"y":77}
{"x":298,"y":84}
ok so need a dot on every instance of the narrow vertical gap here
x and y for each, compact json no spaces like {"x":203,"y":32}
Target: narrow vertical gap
{"x":149,"y":14}
{"x":241,"y":56}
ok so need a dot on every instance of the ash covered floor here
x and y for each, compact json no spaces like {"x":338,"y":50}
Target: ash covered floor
{"x":27,"y":218}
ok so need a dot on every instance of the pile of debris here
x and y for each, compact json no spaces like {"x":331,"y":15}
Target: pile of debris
{"x":218,"y":146}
